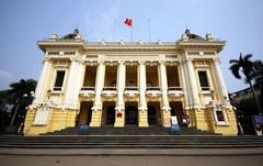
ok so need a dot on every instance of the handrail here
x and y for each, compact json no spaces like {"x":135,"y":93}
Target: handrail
{"x":88,"y":88}
{"x":132,"y":88}
{"x":110,"y":88}
{"x":152,"y":88}
{"x":175,"y":88}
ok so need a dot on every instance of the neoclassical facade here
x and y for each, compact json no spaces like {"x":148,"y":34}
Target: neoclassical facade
{"x":130,"y":83}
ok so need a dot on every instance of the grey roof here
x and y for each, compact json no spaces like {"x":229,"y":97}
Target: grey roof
{"x":192,"y":35}
{"x":71,"y":35}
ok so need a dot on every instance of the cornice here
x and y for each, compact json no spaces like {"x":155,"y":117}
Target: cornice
{"x":43,"y":45}
{"x":130,"y":46}
{"x":218,"y":45}
{"x":91,"y":47}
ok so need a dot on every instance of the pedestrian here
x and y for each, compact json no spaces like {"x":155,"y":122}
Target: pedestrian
{"x":185,"y":120}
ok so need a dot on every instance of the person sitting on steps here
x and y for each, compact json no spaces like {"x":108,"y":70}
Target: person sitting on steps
{"x":185,"y":120}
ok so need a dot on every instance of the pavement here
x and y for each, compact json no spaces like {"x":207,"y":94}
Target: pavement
{"x":132,"y":151}
{"x":7,"y":160}
{"x":216,"y":155}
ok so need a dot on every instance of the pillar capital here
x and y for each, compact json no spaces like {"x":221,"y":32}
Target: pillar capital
{"x":141,"y":62}
{"x":101,"y":62}
{"x":46,"y":59}
{"x":162,"y":62}
{"x":189,"y":60}
{"x":121,"y":62}
{"x":78,"y":59}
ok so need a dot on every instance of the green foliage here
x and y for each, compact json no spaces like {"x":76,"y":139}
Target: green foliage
{"x":250,"y":69}
{"x":15,"y":100}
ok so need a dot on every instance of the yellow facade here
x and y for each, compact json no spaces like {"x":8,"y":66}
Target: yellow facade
{"x":130,"y":83}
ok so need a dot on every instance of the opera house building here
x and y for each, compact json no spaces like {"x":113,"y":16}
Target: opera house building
{"x":130,"y":83}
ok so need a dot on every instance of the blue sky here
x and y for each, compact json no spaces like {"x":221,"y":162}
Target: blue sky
{"x":23,"y":23}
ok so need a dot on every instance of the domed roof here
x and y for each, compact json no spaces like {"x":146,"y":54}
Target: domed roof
{"x":71,"y":35}
{"x":192,"y":35}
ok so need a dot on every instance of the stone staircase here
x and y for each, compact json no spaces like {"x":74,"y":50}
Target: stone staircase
{"x":129,"y":141}
{"x":128,"y":130}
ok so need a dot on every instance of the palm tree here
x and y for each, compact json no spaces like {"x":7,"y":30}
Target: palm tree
{"x":247,"y":67}
{"x":21,"y":94}
{"x":258,"y":77}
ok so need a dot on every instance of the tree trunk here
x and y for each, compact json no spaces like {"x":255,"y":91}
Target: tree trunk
{"x":14,"y":114}
{"x":255,"y":97}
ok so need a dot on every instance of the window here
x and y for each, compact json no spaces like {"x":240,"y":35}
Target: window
{"x":59,"y":81}
{"x":219,"y":114}
{"x":203,"y":80}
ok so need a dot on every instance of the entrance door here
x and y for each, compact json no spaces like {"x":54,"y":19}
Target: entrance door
{"x":152,"y":120}
{"x":89,"y":115}
{"x":110,"y":118}
{"x":177,"y":110}
{"x":131,"y":115}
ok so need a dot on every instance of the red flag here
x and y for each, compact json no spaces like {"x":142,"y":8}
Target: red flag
{"x":128,"y":22}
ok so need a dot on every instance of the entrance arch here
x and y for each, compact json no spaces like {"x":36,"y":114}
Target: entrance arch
{"x":152,"y":116}
{"x":131,"y":115}
{"x":85,"y":113}
{"x":110,"y":115}
{"x":177,"y":110}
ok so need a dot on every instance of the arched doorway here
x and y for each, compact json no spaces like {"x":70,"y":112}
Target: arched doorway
{"x":131,"y":115}
{"x":85,"y":113}
{"x":110,"y":115}
{"x":89,"y":115}
{"x":177,"y":110}
{"x":152,"y":118}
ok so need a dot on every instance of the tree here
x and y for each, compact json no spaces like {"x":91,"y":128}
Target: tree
{"x":20,"y":95}
{"x":247,"y":67}
{"x":258,"y":77}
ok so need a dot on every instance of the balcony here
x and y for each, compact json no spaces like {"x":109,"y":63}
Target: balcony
{"x":87,"y":92}
{"x":153,"y":92}
{"x":109,"y":92}
{"x":175,"y":93}
{"x":131,"y":93}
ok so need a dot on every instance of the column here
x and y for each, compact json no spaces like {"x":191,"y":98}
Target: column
{"x":166,"y":114}
{"x":120,"y":105}
{"x":164,"y":87}
{"x":193,"y":87}
{"x":41,"y":88}
{"x":187,"y":101}
{"x":97,"y":105}
{"x":143,"y":116}
{"x":221,"y":82}
{"x":76,"y":73}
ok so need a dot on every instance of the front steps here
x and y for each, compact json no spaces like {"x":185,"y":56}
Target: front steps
{"x":129,"y":130}
{"x":129,"y":141}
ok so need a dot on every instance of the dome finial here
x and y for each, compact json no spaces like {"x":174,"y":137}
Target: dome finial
{"x":187,"y":31}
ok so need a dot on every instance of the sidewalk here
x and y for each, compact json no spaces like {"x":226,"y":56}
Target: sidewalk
{"x":133,"y":151}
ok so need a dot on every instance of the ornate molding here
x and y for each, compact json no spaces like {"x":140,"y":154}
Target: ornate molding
{"x":78,"y":59}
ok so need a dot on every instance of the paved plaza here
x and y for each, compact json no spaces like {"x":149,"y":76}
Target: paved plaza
{"x":7,"y":160}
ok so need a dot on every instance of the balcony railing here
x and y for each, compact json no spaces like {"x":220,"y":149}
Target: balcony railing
{"x":153,"y":92}
{"x":175,"y":92}
{"x":109,"y":92}
{"x":87,"y":92}
{"x":131,"y":92}
{"x":87,"y":88}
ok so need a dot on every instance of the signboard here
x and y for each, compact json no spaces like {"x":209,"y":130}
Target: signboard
{"x":174,"y":120}
{"x":257,"y":119}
